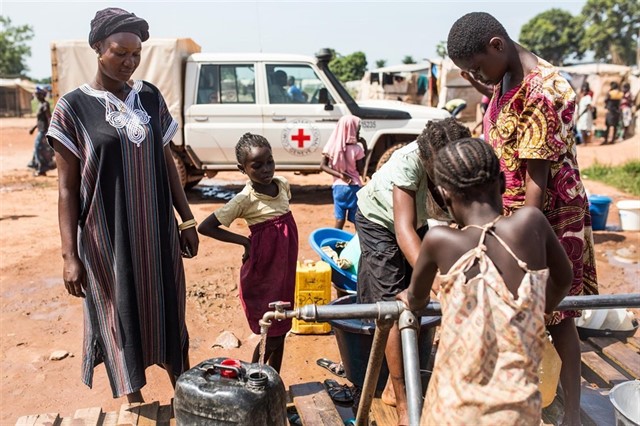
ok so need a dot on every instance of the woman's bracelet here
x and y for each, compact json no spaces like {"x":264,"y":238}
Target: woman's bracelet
{"x":191,"y":223}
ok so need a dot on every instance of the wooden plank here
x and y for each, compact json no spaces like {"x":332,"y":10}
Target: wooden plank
{"x":87,"y":417}
{"x":128,"y":415}
{"x":110,"y":419}
{"x":314,"y":405}
{"x":48,"y":419}
{"x":383,"y":414}
{"x":621,"y":354}
{"x":595,"y":405}
{"x":148,"y":415}
{"x":595,"y":369}
{"x":29,"y":420}
{"x":634,"y":342}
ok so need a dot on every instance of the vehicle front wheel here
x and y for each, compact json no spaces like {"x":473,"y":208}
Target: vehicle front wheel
{"x":387,"y":154}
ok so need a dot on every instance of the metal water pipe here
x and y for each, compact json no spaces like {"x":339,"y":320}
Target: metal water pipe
{"x":385,"y":313}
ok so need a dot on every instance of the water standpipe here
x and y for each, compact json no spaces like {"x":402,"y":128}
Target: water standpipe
{"x":385,"y":313}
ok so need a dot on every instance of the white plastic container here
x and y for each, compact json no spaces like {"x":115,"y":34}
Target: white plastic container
{"x":618,"y":319}
{"x":629,"y":214}
{"x":592,"y":318}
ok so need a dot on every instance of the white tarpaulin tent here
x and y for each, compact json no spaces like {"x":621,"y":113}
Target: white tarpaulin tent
{"x":599,"y":76}
{"x":15,"y":97}
{"x":399,"y":82}
{"x":166,"y":74}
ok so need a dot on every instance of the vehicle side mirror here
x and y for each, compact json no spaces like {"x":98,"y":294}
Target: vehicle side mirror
{"x":323,"y":98}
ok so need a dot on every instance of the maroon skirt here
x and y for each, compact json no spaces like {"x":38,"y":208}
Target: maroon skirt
{"x":269,"y":275}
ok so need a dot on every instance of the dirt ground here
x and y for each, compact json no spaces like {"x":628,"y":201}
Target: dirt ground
{"x":38,"y":317}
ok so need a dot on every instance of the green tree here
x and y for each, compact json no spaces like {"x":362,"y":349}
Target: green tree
{"x":13,"y":47}
{"x":380,"y":63}
{"x":408,"y":59}
{"x":612,"y":28}
{"x":441,"y":49}
{"x":350,"y":67}
{"x":555,"y":35}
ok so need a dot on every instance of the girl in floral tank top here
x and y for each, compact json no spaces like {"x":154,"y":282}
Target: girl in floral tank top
{"x":493,"y":284}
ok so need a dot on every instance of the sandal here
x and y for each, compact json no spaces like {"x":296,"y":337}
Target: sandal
{"x":340,"y":394}
{"x":335,"y":367}
{"x":293,"y":417}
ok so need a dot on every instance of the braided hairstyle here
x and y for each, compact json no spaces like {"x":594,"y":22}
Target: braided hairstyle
{"x":437,"y":134}
{"x":465,"y":166}
{"x":471,"y":35}
{"x":248,"y":141}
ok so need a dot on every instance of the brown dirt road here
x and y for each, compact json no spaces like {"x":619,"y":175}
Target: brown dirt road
{"x":37,"y":316}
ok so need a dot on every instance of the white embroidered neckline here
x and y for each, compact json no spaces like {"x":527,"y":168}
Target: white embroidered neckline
{"x":129,"y":114}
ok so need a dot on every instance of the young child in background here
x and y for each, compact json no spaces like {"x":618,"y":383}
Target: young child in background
{"x":494,"y":290}
{"x":612,"y":119}
{"x":530,"y":125}
{"x":268,"y":272}
{"x":343,"y":158}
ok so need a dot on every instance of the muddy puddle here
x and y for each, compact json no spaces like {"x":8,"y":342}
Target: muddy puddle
{"x":217,"y":189}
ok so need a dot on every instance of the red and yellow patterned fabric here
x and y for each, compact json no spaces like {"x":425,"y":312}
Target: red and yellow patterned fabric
{"x":535,"y":121}
{"x":486,"y":367}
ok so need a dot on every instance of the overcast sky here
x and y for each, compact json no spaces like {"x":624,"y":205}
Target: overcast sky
{"x":382,"y":30}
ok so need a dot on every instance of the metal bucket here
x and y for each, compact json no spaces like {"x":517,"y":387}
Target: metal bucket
{"x":625,"y":398}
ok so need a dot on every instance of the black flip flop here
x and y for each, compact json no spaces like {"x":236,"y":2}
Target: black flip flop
{"x":340,"y":394}
{"x":334,"y":367}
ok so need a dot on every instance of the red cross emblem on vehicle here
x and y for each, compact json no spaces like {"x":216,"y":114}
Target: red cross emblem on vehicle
{"x":300,"y":138}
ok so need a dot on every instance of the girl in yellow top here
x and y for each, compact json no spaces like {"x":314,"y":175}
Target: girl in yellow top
{"x":268,"y":272}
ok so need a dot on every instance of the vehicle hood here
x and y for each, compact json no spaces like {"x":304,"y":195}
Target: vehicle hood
{"x":416,"y":111}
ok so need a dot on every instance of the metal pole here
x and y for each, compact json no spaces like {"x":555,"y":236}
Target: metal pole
{"x":408,"y":325}
{"x":393,"y":309}
{"x":380,"y":337}
{"x":569,"y":303}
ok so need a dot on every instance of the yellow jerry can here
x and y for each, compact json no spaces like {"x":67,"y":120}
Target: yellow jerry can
{"x":313,"y":285}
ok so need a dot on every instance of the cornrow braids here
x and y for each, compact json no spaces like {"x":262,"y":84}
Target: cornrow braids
{"x":471,"y":34}
{"x":437,"y":134}
{"x":248,"y":141}
{"x":465,"y":165}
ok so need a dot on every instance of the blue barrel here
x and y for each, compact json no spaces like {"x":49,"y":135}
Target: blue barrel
{"x":355,"y":338}
{"x":599,"y":209}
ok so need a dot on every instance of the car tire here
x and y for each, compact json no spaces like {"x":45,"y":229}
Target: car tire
{"x":180,"y":167}
{"x":387,"y":154}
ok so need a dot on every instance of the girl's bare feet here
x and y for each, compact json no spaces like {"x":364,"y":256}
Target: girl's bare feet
{"x":388,"y":395}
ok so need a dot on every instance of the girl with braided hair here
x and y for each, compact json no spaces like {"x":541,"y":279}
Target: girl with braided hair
{"x":497,"y":276}
{"x":529,"y":123}
{"x":393,"y":208}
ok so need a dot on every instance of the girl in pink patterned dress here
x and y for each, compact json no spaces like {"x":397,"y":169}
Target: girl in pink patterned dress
{"x":529,"y":124}
{"x":492,"y":275}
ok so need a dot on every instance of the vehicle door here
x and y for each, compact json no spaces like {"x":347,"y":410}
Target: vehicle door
{"x":224,"y":109}
{"x":295,"y":122}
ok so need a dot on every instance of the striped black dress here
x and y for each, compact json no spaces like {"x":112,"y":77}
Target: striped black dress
{"x":134,"y":312}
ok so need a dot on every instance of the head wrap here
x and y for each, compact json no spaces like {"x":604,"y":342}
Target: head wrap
{"x":114,"y":20}
{"x":345,"y":133}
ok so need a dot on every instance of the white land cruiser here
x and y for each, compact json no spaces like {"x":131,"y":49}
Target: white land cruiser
{"x":227,"y":95}
{"x":216,"y":98}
